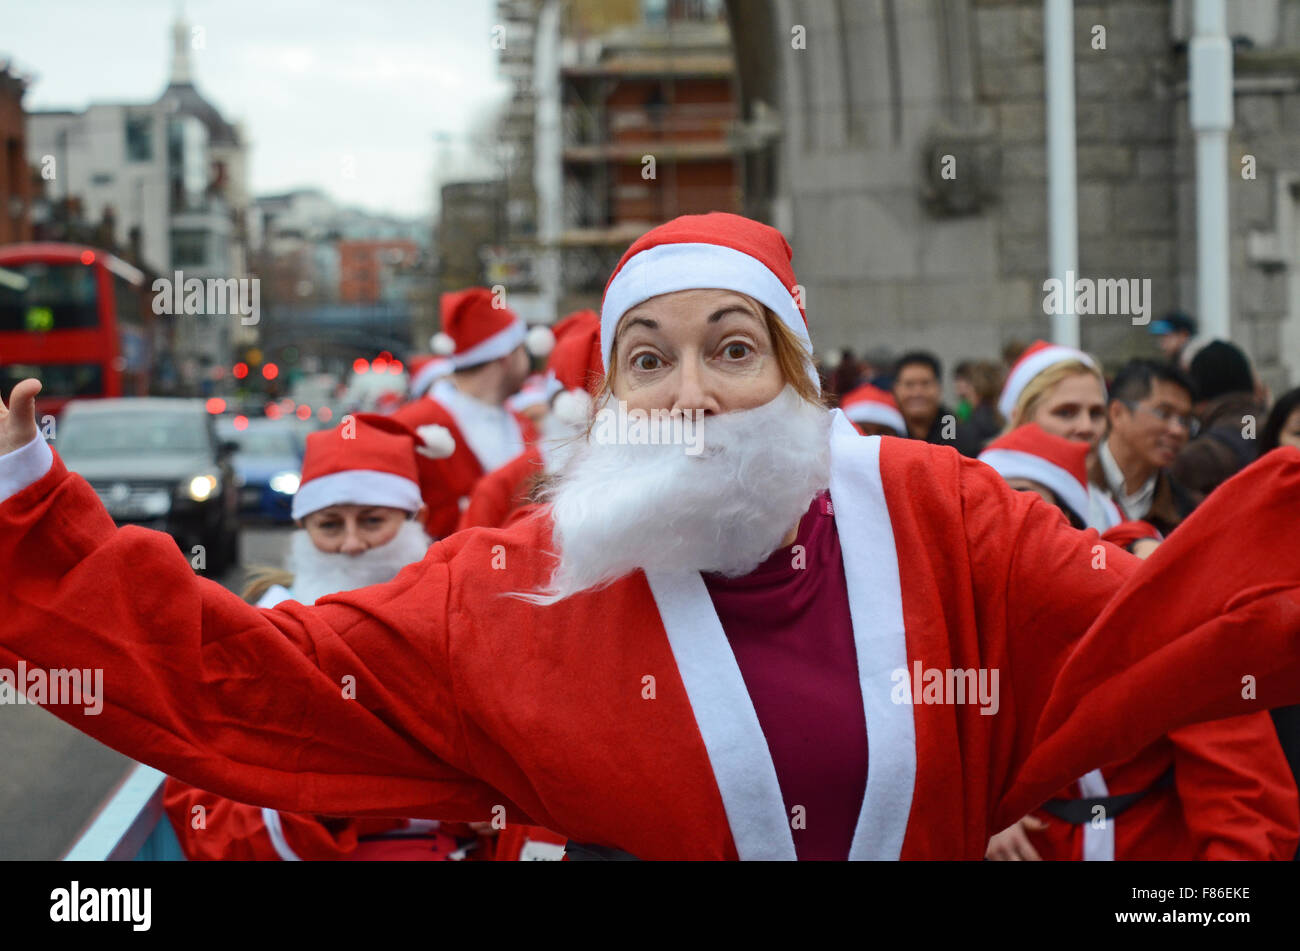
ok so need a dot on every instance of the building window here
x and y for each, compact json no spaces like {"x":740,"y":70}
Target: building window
{"x":139,"y":139}
{"x":101,"y":178}
{"x":189,"y":248}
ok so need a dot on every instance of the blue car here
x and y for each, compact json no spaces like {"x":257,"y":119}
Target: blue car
{"x":267,"y":465}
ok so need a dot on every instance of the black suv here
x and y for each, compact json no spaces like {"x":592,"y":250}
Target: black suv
{"x":157,"y":463}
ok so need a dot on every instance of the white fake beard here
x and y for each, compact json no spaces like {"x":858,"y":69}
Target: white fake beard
{"x":620,"y":507}
{"x":317,"y":573}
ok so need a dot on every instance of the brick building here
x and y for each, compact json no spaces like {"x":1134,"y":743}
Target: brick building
{"x":15,"y":176}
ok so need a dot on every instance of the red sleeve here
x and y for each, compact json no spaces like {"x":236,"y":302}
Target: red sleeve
{"x":1208,"y":627}
{"x":1238,"y":796}
{"x":344,"y":709}
{"x":213,"y":828}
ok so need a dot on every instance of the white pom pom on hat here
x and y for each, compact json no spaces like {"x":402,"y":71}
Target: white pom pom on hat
{"x":441,"y":344}
{"x":540,"y":340}
{"x":438,"y":441}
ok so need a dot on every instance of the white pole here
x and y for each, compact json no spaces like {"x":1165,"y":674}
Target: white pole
{"x":548,"y":173}
{"x":1062,"y":196}
{"x":1210,"y":116}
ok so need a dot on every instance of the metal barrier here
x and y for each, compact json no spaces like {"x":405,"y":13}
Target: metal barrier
{"x":130,"y":825}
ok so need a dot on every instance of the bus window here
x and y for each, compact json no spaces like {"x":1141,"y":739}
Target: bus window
{"x":48,"y":297}
{"x":58,"y":380}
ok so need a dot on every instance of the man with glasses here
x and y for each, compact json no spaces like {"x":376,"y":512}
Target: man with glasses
{"x":1151,"y":419}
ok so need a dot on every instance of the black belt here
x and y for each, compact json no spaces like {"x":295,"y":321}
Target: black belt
{"x":1081,"y":811}
{"x":586,"y":852}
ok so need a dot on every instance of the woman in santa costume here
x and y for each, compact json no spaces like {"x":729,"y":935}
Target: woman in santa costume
{"x":359,"y":513}
{"x":574,"y":372}
{"x":484,"y":359}
{"x":750,"y":641}
{"x":1062,"y":390}
{"x":1216,"y":790}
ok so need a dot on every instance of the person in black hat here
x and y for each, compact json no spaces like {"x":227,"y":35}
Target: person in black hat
{"x":1228,"y":413}
{"x":1172,"y":331}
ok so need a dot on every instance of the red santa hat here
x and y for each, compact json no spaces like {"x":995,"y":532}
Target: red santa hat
{"x":576,"y":360}
{"x":1030,"y":452}
{"x":870,"y":404}
{"x":475,"y":329}
{"x":716,"y":250}
{"x":1039,"y":356}
{"x":366,"y":460}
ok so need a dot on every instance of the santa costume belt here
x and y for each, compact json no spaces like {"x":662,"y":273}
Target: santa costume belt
{"x":586,"y":852}
{"x":1082,"y":811}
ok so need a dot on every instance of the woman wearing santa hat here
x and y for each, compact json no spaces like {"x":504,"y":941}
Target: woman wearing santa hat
{"x":1216,"y":790}
{"x":750,"y":640}
{"x":1062,"y":390}
{"x":483,"y":359}
{"x":358,"y":510}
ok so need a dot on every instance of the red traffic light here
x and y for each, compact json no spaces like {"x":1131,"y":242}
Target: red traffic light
{"x":240,"y":371}
{"x":270,"y":371}
{"x":87,"y":257}
{"x":241,"y":423}
{"x":360,"y":365}
{"x":216,"y":405}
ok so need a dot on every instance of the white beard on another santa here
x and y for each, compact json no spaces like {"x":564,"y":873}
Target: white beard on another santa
{"x":620,"y":506}
{"x":317,"y":573}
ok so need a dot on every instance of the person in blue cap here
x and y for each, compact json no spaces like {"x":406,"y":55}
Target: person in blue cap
{"x":1173,"y":331}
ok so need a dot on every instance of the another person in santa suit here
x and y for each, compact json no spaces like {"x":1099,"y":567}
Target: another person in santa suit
{"x":574,"y":371}
{"x":728,"y":646}
{"x":1217,"y":790}
{"x":463,"y":415}
{"x":873,"y":411}
{"x":1062,"y":390}
{"x":359,"y":515}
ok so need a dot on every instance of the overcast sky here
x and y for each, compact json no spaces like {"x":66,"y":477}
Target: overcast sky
{"x":315,"y":82}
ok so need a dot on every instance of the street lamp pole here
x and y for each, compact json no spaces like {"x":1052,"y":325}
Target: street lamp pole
{"x":1062,"y":196}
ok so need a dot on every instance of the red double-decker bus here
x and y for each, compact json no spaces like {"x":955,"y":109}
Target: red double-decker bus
{"x":78,"y":319}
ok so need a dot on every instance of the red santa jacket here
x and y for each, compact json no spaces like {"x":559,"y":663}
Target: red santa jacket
{"x":212,"y":828}
{"x":502,"y":492}
{"x":438,"y":695}
{"x":448,"y":483}
{"x":1232,"y":797}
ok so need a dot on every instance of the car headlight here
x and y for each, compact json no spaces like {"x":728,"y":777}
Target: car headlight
{"x":286,"y":483}
{"x":203,"y":487}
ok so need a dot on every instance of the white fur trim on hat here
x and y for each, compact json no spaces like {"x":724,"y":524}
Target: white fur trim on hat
{"x":1013,"y":464}
{"x":1024,"y":371}
{"x":441,"y":344}
{"x":572,"y":407}
{"x":439,"y":443}
{"x":869,"y":411}
{"x":356,"y":487}
{"x":493,"y":348}
{"x":666,"y":268}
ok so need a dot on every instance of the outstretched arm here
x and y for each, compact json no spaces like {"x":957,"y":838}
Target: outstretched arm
{"x":343,"y":709}
{"x":1208,"y":627}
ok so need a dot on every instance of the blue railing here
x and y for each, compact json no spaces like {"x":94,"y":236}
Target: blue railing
{"x":130,"y":825}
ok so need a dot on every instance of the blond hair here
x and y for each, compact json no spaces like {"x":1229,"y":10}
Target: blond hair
{"x":1037,"y":389}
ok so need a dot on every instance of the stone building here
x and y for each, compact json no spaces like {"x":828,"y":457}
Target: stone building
{"x":867,"y":98}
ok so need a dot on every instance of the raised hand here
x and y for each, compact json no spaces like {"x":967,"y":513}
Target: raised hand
{"x":18,"y":419}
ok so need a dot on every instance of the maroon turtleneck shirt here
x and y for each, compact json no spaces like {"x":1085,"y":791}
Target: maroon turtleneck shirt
{"x":789,"y":628}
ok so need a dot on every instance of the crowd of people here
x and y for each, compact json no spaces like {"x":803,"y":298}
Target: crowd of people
{"x":500,"y":637}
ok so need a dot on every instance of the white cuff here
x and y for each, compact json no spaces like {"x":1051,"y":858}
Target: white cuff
{"x":24,"y":466}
